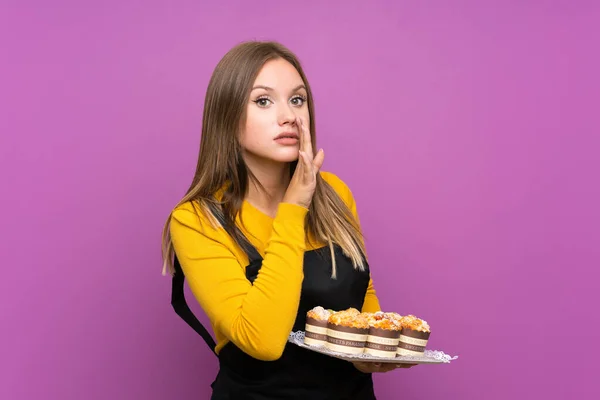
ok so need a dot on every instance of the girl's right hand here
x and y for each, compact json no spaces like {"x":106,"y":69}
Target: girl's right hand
{"x":304,"y":181}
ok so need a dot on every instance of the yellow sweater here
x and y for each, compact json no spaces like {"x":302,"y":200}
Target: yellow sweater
{"x":256,"y":318}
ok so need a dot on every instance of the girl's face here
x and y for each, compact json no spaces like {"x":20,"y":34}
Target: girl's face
{"x":278,"y":97}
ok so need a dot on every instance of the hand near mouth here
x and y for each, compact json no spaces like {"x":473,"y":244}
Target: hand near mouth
{"x":304,"y":181}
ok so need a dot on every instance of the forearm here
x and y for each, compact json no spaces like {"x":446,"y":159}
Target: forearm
{"x":256,"y":318}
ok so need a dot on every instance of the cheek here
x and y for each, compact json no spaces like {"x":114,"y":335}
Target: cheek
{"x":305,"y":114}
{"x":255,"y":130}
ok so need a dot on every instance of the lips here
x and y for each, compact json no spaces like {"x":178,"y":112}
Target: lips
{"x":287,"y":139}
{"x":287,"y":135}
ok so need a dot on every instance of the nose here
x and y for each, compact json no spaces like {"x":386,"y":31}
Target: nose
{"x":286,"y":115}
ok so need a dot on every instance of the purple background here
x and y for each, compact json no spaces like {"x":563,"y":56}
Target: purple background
{"x":469,"y":134}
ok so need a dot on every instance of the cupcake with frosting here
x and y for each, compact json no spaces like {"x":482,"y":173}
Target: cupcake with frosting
{"x":347,"y":331}
{"x":315,"y":333}
{"x":384,"y":334}
{"x":394,"y":316}
{"x":413,"y":337}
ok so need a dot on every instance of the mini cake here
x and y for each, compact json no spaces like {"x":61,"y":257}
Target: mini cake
{"x":315,"y":333}
{"x":347,"y":331}
{"x":393,"y":316}
{"x":384,"y":335}
{"x":413,"y":337}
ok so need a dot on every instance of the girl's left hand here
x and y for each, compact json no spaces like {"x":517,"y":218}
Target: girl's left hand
{"x":371,"y":367}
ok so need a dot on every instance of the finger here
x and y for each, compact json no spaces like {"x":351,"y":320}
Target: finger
{"x":307,"y":174}
{"x":361,"y":366}
{"x":299,"y":171}
{"x":307,"y":145}
{"x":405,"y":365}
{"x":300,"y":133}
{"x":318,"y":161}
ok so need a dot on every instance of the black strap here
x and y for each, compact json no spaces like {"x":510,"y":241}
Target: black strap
{"x":177,"y":288}
{"x":183,"y":310}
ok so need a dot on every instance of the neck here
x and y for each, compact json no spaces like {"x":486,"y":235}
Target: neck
{"x":274,"y":178}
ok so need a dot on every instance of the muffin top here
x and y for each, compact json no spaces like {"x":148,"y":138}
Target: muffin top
{"x":382,"y":320}
{"x":415,"y":324}
{"x":393,"y":316}
{"x":351,"y":311}
{"x":319,"y":313}
{"x":351,"y":318}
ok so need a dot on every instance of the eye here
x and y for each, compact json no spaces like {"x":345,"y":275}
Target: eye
{"x":298,"y":100}
{"x":262,"y":101}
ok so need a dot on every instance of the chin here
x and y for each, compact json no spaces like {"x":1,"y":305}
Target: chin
{"x":284,"y":159}
{"x":285,"y":156}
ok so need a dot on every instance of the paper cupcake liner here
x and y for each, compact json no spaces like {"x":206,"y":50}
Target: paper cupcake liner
{"x":382,"y":342}
{"x":412,"y":342}
{"x":346,"y":339}
{"x":316,"y":332}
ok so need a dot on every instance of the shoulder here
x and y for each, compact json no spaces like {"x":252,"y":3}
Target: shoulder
{"x":186,"y":211}
{"x":339,"y":186}
{"x":190,"y":215}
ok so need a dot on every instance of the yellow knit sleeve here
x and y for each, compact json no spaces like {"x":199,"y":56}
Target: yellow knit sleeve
{"x":257,"y":318}
{"x":371,"y":303}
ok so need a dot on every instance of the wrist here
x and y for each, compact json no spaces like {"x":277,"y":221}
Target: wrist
{"x":295,"y":203}
{"x":290,"y":210}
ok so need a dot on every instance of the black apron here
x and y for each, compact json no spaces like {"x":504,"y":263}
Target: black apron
{"x":299,"y":374}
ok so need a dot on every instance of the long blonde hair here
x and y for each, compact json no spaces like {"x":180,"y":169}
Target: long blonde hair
{"x":220,"y":160}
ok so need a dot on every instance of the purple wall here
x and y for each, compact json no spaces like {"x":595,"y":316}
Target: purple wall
{"x":468,"y":133}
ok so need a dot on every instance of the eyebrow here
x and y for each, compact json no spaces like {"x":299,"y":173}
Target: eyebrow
{"x":301,"y":86}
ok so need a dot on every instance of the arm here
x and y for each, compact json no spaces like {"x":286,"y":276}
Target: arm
{"x":257,"y":318}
